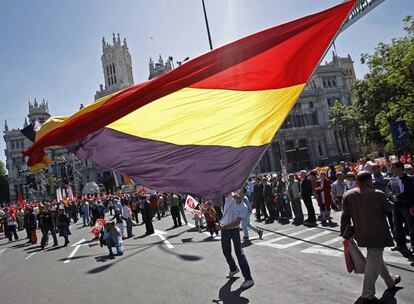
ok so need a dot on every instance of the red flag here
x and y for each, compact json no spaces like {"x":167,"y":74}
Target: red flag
{"x":21,"y":202}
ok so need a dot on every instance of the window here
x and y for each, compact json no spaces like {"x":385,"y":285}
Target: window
{"x":303,"y":143}
{"x":107,"y":70}
{"x":311,"y":105}
{"x":114,"y":78}
{"x":289,"y":144}
{"x":113,"y":66}
{"x":315,"y":118}
{"x":109,"y":81}
{"x":320,"y":151}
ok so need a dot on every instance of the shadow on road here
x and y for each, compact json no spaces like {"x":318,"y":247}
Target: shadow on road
{"x":388,"y":297}
{"x":226,"y":296}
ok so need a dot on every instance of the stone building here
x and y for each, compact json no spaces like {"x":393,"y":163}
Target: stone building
{"x":116,"y":66}
{"x":158,"y":68}
{"x":117,"y":72}
{"x":306,"y":138}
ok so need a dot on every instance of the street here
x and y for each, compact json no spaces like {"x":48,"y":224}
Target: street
{"x":292,"y":264}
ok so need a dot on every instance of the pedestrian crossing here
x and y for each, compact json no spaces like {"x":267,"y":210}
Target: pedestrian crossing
{"x":317,"y":241}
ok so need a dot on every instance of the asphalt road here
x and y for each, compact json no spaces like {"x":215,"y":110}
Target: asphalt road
{"x":292,"y":264}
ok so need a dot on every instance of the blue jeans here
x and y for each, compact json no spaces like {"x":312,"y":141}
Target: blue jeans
{"x":129,"y":227}
{"x":246,"y":225}
{"x":227,"y":235}
{"x":119,"y":247}
{"x":86,"y":219}
{"x":402,"y":215}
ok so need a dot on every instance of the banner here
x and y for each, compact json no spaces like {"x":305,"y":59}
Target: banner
{"x":190,"y":203}
{"x":96,"y":229}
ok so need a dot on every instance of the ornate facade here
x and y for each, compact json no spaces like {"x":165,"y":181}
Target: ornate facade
{"x":306,"y":138}
{"x":117,"y":71}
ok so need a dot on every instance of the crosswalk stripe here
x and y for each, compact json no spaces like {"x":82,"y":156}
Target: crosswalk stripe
{"x":290,"y":235}
{"x":295,"y":243}
{"x":318,"y":249}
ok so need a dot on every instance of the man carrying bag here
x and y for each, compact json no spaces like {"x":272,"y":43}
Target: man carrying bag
{"x":367,"y":208}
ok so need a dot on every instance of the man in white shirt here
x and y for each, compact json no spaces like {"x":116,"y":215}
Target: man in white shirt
{"x":234,"y":212}
{"x":127,"y":216}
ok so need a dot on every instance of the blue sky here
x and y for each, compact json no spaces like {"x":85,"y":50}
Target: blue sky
{"x":51,"y":49}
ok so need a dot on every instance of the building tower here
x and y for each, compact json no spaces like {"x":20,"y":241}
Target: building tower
{"x":116,"y":66}
{"x":158,"y":68}
{"x":38,"y":111}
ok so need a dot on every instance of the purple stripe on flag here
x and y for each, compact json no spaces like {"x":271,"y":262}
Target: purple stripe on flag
{"x":206,"y":171}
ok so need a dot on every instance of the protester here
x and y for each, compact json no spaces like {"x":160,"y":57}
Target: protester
{"x":234,"y":212}
{"x":294,"y":197}
{"x":113,"y":238}
{"x":401,"y":192}
{"x":11,"y":223}
{"x":127,"y":217}
{"x":360,"y":204}
{"x":324,"y":198}
{"x":62,"y":223}
{"x":306,"y":194}
{"x":339,"y":187}
{"x":48,"y":225}
{"x":85,"y":213}
{"x":246,"y":225}
{"x":147,"y":215}
{"x":258,"y":194}
{"x":175,"y":209}
{"x":210,"y":215}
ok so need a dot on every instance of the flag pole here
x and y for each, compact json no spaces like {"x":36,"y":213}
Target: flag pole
{"x":207,"y":26}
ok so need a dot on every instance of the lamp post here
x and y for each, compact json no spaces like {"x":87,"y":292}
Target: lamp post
{"x":208,"y":28}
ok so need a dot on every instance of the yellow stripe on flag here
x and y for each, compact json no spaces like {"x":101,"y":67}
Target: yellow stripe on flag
{"x":212,"y":117}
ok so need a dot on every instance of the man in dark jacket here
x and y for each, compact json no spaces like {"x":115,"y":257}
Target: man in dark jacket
{"x":367,"y":208}
{"x":401,"y":192}
{"x":147,"y":214}
{"x":48,"y":220}
{"x":258,"y":194}
{"x":306,"y":194}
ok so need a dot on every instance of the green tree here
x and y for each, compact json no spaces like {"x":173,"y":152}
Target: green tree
{"x":2,"y":169}
{"x":387,"y":92}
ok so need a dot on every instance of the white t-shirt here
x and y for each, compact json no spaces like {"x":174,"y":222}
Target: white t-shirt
{"x":232,"y":211}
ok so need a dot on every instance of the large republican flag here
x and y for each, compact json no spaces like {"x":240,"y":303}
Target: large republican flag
{"x":202,"y":127}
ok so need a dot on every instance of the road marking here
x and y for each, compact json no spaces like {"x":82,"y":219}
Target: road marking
{"x":72,"y":254}
{"x":160,"y":234}
{"x":295,"y":243}
{"x":319,"y":249}
{"x":287,"y":236}
{"x":2,"y":250}
{"x":30,"y":255}
{"x":78,"y":243}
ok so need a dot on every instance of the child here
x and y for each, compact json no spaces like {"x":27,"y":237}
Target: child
{"x":211,"y":217}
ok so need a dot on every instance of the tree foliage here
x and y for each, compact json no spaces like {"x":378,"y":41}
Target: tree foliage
{"x":385,"y":94}
{"x":2,"y":169}
{"x":4,"y":185}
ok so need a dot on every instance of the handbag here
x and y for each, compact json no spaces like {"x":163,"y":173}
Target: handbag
{"x":354,"y":259}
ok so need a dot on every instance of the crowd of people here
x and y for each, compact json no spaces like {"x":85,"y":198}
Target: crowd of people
{"x":271,"y":197}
